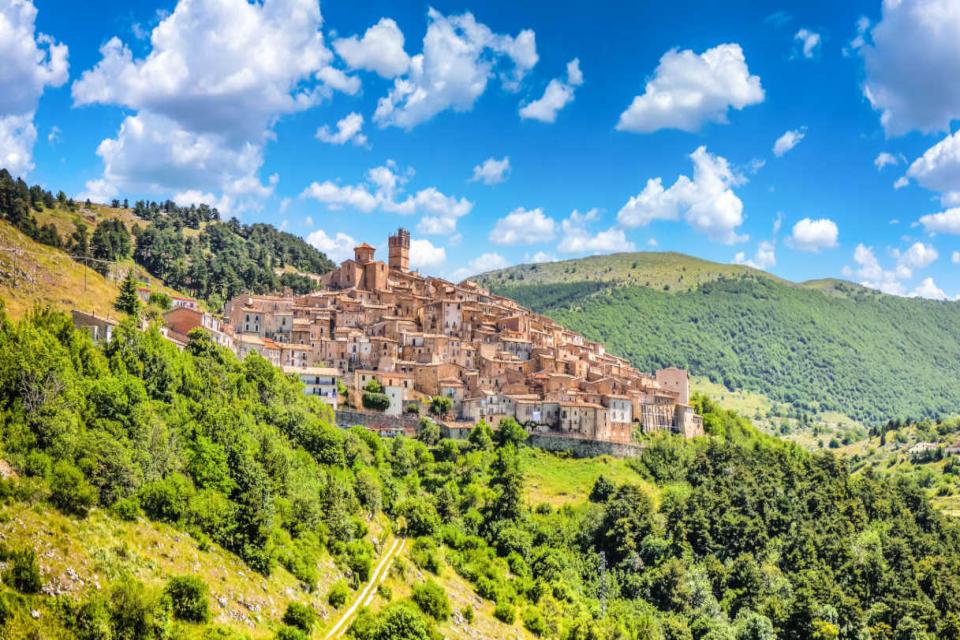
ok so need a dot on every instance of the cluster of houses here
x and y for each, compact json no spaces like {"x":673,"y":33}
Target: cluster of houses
{"x":420,"y":337}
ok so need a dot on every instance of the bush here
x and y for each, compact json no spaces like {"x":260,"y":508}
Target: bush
{"x":127,"y":509}
{"x":37,"y":464}
{"x":505,"y":613}
{"x":468,"y":614}
{"x":300,"y":616}
{"x":70,"y":491}
{"x":339,"y":593}
{"x":534,"y":621}
{"x":23,"y":572}
{"x":432,"y":600}
{"x":188,"y":597}
{"x":166,"y":499}
{"x":291,"y":633}
{"x":424,"y":555}
{"x":134,"y":614}
{"x":90,"y":620}
{"x":375,"y":401}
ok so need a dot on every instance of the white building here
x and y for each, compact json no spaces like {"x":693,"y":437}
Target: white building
{"x":320,"y":382}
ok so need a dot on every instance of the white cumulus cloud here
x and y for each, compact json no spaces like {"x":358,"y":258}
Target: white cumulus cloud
{"x":808,"y":41}
{"x":788,"y":141}
{"x":423,"y":255}
{"x":205,"y":104}
{"x":29,"y":62}
{"x":928,"y":289}
{"x":916,"y":256}
{"x":577,"y":237}
{"x":523,"y":226}
{"x":911,"y":58}
{"x":490,"y":261}
{"x":872,"y":274}
{"x":491,"y":171}
{"x":338,"y":248}
{"x":814,"y":235}
{"x":765,"y":257}
{"x":707,"y":202}
{"x":383,"y":191}
{"x":938,"y":169}
{"x":349,"y":129}
{"x":556,"y":96}
{"x":885,"y":159}
{"x":379,"y":50}
{"x":689,"y":90}
{"x":947,"y":222}
{"x":460,"y":56}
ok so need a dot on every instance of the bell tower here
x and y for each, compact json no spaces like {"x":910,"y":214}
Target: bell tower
{"x":400,"y":250}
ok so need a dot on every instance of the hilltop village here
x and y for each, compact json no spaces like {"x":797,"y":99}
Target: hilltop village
{"x":419,"y":337}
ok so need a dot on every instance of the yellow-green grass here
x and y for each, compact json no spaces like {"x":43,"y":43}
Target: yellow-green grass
{"x":557,"y":480}
{"x":64,"y":220}
{"x":99,"y":548}
{"x":405,"y":574}
{"x":32,"y":273}
{"x":651,"y":269}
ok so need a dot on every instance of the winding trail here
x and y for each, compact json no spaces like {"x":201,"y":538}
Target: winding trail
{"x":365,"y":597}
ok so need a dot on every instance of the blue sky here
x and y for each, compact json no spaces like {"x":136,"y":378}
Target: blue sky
{"x":604,"y":126}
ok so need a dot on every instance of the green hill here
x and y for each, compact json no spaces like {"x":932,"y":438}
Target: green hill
{"x":825,"y":345}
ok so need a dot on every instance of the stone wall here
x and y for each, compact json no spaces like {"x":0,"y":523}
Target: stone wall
{"x":347,"y":418}
{"x":582,"y":448}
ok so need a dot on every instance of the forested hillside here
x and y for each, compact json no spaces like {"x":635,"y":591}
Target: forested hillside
{"x":736,"y":535}
{"x":188,"y":248}
{"x":824,"y":346}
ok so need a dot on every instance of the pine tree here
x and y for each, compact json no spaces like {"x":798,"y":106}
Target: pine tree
{"x":129,"y":300}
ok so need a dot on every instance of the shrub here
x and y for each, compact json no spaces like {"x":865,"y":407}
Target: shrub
{"x":70,"y":491}
{"x":188,"y":597}
{"x":375,"y":401}
{"x":134,"y":614}
{"x":291,"y":633}
{"x":602,"y":489}
{"x":534,"y":621}
{"x":23,"y":572}
{"x":432,"y":600}
{"x":37,"y":464}
{"x":90,"y":620}
{"x":505,"y":613}
{"x":300,"y":616}
{"x":339,"y":593}
{"x":468,"y":614}
{"x":424,"y":555}
{"x":166,"y":499}
{"x":127,"y":509}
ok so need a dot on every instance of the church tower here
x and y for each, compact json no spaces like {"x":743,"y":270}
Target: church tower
{"x":400,"y":250}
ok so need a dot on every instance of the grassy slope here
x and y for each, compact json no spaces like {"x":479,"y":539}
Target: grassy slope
{"x":101,"y":547}
{"x":824,"y":345}
{"x":560,"y":481}
{"x":32,"y":273}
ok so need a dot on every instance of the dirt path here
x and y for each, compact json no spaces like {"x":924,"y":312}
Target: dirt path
{"x":365,"y":597}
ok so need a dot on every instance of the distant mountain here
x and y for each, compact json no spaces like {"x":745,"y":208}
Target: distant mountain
{"x":823,"y":345}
